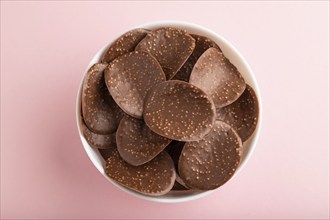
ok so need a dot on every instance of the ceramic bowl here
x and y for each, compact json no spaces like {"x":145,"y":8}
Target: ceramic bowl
{"x":233,"y":55}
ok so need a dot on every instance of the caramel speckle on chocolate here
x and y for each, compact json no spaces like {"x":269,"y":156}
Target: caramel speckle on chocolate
{"x":154,"y":178}
{"x":130,"y":77}
{"x":243,"y":114}
{"x":202,"y":44}
{"x":124,"y":44}
{"x":218,"y":77}
{"x":136,"y":143}
{"x":171,"y":47}
{"x":105,"y":153}
{"x":218,"y":155}
{"x":101,"y":141}
{"x":100,"y":112}
{"x":179,"y":111}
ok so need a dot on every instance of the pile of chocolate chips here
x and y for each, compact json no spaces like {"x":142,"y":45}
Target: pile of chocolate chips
{"x":167,"y":111}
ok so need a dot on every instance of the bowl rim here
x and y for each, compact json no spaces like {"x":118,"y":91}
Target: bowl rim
{"x":176,"y":196}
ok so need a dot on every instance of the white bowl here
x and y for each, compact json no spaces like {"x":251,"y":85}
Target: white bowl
{"x":233,"y":55}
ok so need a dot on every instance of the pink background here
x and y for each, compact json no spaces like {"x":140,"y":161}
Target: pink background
{"x":45,"y":48}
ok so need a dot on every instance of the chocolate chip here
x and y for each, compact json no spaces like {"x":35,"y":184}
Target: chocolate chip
{"x":124,"y":44}
{"x":102,"y":141}
{"x":136,"y":143}
{"x":243,"y":114}
{"x":212,"y":161}
{"x":100,"y":112}
{"x":130,"y":77}
{"x":218,"y":77}
{"x":202,"y":44}
{"x":179,"y":111}
{"x":170,"y":46}
{"x":154,"y":178}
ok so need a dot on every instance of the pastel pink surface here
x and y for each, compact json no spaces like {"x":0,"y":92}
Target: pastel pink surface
{"x":45,"y":48}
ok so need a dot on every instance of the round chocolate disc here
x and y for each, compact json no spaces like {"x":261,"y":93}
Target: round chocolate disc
{"x":212,"y":161}
{"x":130,"y":77}
{"x":202,"y":44}
{"x":124,"y":44}
{"x":100,"y":112}
{"x":243,"y":114}
{"x":102,"y":141}
{"x":179,"y":111}
{"x":170,"y":46}
{"x":218,"y":77}
{"x":136,"y":143}
{"x":154,"y":178}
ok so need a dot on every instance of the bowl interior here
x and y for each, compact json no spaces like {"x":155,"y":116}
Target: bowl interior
{"x":234,"y":56}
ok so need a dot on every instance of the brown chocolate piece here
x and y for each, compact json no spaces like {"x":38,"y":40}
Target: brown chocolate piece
{"x":178,"y":187}
{"x":170,"y":46}
{"x":136,"y":143}
{"x":218,"y":77}
{"x":174,"y":150}
{"x":124,"y":44}
{"x":100,"y":112}
{"x":180,"y":180}
{"x":102,"y":141}
{"x":202,"y":44}
{"x":130,"y":77}
{"x":243,"y":114}
{"x":212,"y":161}
{"x":179,"y":111}
{"x":105,"y":153}
{"x":154,"y":178}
